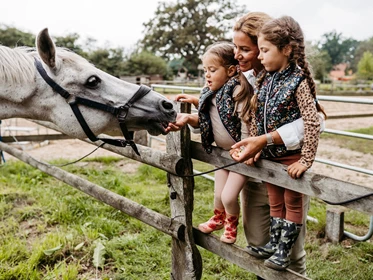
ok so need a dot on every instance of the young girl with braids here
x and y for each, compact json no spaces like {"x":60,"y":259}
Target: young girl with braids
{"x":222,"y":105}
{"x":285,"y":91}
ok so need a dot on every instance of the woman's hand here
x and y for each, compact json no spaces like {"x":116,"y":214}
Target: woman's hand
{"x":296,"y":169}
{"x":248,"y":148}
{"x":251,"y":161}
{"x":187,"y":98}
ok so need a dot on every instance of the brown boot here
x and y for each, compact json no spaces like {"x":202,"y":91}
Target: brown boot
{"x":230,"y":233}
{"x":216,"y":222}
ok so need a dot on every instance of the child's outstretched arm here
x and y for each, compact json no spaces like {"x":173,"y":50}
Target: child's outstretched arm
{"x":188,"y":98}
{"x":182,"y":119}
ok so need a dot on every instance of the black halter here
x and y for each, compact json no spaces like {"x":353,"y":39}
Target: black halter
{"x":120,"y":112}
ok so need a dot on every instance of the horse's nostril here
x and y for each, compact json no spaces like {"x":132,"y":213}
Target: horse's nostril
{"x":167,"y":105}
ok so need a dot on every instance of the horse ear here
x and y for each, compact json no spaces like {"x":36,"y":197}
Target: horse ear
{"x":46,"y":48}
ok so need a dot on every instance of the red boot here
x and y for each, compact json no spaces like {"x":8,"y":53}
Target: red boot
{"x":216,"y":222}
{"x":230,"y":232}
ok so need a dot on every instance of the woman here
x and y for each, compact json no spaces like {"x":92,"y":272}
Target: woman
{"x":254,"y":198}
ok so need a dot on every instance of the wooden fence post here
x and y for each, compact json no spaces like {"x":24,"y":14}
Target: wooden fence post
{"x":186,"y":259}
{"x":334,"y":224}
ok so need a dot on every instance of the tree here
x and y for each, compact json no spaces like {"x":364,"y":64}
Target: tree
{"x":319,"y":60}
{"x":110,"y":61}
{"x":365,"y":66}
{"x":70,"y":42}
{"x":340,"y":50}
{"x":12,"y":37}
{"x":185,"y":28}
{"x":146,"y":63}
{"x":363,"y":47}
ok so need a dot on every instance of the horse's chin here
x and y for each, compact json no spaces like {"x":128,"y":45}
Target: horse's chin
{"x":156,"y":128}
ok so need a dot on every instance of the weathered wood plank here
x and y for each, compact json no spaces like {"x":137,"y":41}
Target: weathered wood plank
{"x":171,"y":163}
{"x":238,"y":256}
{"x":36,"y":138}
{"x":322,"y":187}
{"x":163,"y":223}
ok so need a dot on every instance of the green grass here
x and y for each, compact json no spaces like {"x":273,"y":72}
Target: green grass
{"x":49,"y":230}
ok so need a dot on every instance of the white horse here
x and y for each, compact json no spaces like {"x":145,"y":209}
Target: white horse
{"x":56,"y":85}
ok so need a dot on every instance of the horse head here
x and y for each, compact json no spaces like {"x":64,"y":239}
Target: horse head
{"x":151,"y":112}
{"x":35,"y":97}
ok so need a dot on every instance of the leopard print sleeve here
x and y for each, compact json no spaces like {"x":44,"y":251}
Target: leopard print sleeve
{"x":251,"y":125}
{"x":306,"y":103}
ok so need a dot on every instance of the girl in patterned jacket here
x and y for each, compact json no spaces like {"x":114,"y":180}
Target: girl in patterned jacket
{"x":285,"y":91}
{"x":222,"y":114}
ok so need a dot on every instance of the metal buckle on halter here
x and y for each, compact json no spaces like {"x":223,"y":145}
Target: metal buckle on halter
{"x":122,"y":113}
{"x":71,"y":99}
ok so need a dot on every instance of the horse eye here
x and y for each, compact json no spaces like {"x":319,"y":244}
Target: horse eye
{"x":93,"y":82}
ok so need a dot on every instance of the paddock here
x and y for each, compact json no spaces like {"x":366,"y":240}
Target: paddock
{"x":185,"y":238}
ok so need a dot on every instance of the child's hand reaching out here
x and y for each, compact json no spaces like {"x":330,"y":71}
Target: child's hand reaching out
{"x":188,"y":98}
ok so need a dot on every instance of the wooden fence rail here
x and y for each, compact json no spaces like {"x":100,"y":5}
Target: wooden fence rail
{"x":186,"y":259}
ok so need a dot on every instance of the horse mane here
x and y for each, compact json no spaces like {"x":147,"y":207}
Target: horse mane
{"x":17,"y":64}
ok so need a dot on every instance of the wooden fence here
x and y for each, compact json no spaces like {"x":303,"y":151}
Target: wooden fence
{"x":186,"y":258}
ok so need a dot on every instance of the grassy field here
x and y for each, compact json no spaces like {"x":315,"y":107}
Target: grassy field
{"x":49,"y":230}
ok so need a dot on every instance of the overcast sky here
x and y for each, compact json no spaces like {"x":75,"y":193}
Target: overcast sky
{"x":119,"y":23}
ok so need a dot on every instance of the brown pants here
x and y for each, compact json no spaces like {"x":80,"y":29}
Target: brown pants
{"x":285,"y":203}
{"x":256,"y":217}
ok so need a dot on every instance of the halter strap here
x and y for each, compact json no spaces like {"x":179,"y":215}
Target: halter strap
{"x":56,"y":87}
{"x":120,"y":112}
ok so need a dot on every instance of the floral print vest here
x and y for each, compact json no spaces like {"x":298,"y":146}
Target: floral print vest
{"x":277,"y":105}
{"x":225,"y":106}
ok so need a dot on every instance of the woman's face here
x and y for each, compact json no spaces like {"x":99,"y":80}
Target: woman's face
{"x":246,"y":52}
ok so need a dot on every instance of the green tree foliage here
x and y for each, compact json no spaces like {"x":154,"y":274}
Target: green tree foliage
{"x":363,"y":47}
{"x":365,"y":66}
{"x":185,"y":28}
{"x":12,"y":37}
{"x":319,"y":60}
{"x":340,"y":50}
{"x":145,"y":63}
{"x":70,"y":42}
{"x":108,"y":60}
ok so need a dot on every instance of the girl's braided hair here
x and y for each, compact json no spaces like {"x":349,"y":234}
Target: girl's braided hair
{"x":283,"y":32}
